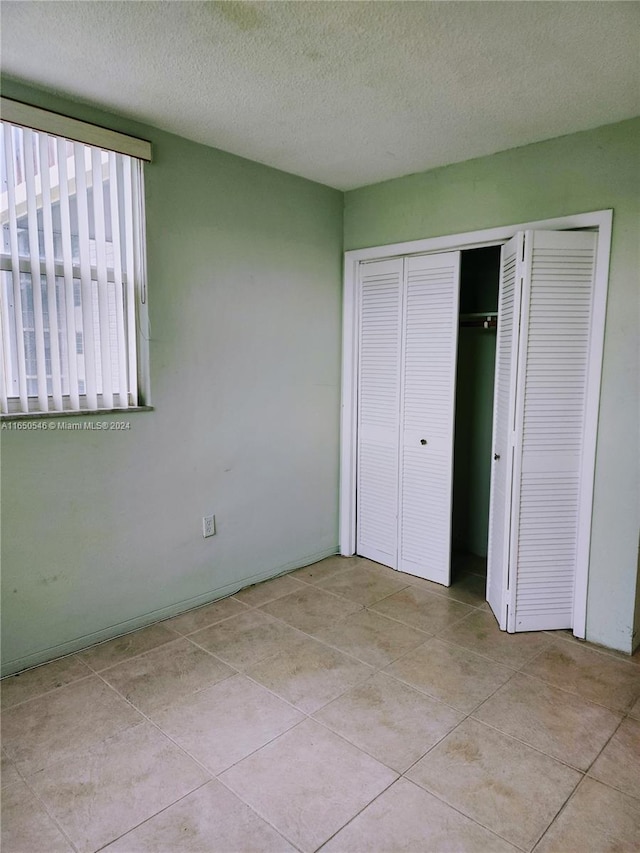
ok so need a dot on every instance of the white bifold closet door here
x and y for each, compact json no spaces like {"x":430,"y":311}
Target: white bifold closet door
{"x":509,"y":294}
{"x":408,"y":311}
{"x":381,"y":289}
{"x":542,"y":368}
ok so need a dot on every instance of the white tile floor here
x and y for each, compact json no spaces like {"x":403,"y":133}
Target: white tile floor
{"x":343,"y":707}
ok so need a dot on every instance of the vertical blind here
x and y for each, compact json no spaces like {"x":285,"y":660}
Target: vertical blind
{"x":72,"y":267}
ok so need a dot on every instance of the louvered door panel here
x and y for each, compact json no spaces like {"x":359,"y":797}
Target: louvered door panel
{"x":379,"y":410}
{"x":427,"y":411}
{"x":550,"y":412}
{"x":503,"y":424}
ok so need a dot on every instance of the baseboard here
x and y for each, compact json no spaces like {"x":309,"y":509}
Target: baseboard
{"x":144,"y":620}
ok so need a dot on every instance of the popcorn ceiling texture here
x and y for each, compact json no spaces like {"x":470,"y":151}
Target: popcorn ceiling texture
{"x":344,"y":93}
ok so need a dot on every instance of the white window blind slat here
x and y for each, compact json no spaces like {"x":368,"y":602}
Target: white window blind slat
{"x":52,"y":303}
{"x":36,"y":288}
{"x":4,"y":335}
{"x":101,"y":265}
{"x":16,"y":333}
{"x":123,"y":393}
{"x":129,"y":176}
{"x":140,"y":242}
{"x":86,"y":287}
{"x":67,"y":261}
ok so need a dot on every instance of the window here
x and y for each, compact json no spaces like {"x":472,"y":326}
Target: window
{"x":72,"y":271}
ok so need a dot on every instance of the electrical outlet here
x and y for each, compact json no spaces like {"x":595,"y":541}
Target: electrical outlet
{"x":208,"y":526}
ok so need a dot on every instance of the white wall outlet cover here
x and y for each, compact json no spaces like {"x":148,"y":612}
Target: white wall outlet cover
{"x":208,"y":525}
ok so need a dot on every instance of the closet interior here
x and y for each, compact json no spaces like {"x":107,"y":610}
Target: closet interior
{"x":478,"y":306}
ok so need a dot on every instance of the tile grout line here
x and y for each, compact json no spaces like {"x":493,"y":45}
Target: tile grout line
{"x":151,"y":817}
{"x":210,"y":773}
{"x":573,"y":794}
{"x":435,"y":796}
{"x":513,"y":737}
{"x":586,"y":645}
{"x":528,"y":745}
{"x":305,"y":636}
{"x":559,"y":812}
{"x":553,"y":819}
{"x":215,"y":621}
{"x":307,"y":714}
{"x":409,"y":625}
{"x":353,"y":817}
{"x":483,"y":655}
{"x":89,"y":674}
{"x":467,"y":716}
{"x":178,"y":636}
{"x":258,"y":813}
{"x":353,"y":656}
{"x":608,"y":784}
{"x":52,"y":817}
{"x":132,"y":658}
{"x":195,"y":693}
{"x":503,"y":734}
{"x":568,"y":692}
{"x":46,"y":663}
{"x":316,"y":639}
{"x":424,"y":692}
{"x":366,"y":607}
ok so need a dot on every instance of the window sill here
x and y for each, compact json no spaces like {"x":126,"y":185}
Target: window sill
{"x":89,"y":413}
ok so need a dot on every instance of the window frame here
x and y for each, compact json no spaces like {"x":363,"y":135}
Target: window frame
{"x":72,"y":130}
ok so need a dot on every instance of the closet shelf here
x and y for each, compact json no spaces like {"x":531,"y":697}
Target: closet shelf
{"x":480,"y":319}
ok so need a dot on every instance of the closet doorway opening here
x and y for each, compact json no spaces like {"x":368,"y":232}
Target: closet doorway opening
{"x":473,"y":422}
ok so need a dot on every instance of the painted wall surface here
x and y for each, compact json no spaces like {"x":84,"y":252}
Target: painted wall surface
{"x":587,"y":171}
{"x":473,"y":435}
{"x":636,"y":623}
{"x":102,"y":531}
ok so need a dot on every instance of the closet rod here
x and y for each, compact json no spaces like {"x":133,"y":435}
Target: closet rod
{"x":483,"y":320}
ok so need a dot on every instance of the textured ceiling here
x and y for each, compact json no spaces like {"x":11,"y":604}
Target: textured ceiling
{"x":345,"y":93}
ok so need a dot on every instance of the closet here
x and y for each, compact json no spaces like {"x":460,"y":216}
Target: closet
{"x":518,"y":486}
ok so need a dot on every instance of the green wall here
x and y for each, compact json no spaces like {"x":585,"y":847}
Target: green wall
{"x":102,"y":531}
{"x":473,"y":436}
{"x":586,"y":171}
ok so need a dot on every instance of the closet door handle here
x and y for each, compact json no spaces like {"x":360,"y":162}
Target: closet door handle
{"x":423,"y":441}
{"x":496,"y":456}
